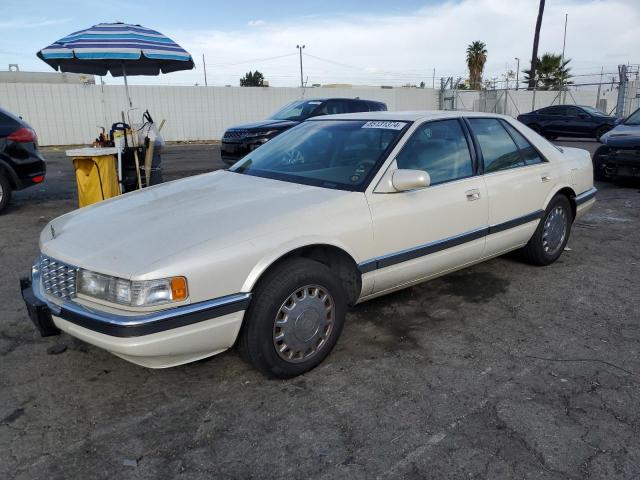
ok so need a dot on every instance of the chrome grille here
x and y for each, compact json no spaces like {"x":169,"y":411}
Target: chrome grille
{"x":235,"y":134}
{"x":58,"y":279}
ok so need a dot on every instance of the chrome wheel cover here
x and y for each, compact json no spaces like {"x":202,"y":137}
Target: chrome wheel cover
{"x":554,"y":230}
{"x":1,"y":192}
{"x":304,"y":323}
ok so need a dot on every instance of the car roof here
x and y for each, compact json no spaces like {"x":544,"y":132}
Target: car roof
{"x":406,"y":116}
{"x":338,"y":98}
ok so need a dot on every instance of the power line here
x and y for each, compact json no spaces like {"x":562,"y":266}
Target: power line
{"x":265,"y":59}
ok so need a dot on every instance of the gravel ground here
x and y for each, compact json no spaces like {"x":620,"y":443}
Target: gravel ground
{"x":502,"y":371}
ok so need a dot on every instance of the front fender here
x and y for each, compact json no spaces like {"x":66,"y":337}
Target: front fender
{"x":275,"y":254}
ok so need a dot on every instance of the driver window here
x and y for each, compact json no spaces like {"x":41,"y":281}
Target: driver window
{"x":439,"y":148}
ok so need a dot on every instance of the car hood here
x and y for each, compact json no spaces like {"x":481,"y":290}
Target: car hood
{"x":265,"y":124}
{"x":126,"y":235}
{"x":622,"y":136}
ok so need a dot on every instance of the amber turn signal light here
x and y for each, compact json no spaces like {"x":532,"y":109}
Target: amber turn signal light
{"x":179,"y":289}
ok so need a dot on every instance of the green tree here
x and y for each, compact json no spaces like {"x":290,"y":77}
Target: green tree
{"x":252,"y":79}
{"x":551,"y":73}
{"x":476,"y":58}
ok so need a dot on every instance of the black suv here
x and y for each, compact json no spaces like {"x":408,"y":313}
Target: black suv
{"x":568,"y":121}
{"x":21,"y":164}
{"x":240,"y":140}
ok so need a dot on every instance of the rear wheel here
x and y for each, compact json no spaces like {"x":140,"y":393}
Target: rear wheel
{"x":548,"y":242}
{"x":294,"y":320}
{"x":5,"y":192}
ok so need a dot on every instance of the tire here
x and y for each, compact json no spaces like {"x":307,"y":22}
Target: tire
{"x":5,"y":192}
{"x":601,"y":131}
{"x":548,"y":242}
{"x":599,"y":172}
{"x":298,"y":285}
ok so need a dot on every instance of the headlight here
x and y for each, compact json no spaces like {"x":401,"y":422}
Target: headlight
{"x":138,"y":293}
{"x":264,"y":133}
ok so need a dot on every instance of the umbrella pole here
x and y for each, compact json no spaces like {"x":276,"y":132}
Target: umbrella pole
{"x":126,"y":84}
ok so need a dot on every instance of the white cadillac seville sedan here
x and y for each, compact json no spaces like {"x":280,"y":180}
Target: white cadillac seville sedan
{"x":269,"y":254}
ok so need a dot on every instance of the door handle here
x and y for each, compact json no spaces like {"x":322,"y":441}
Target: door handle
{"x":473,"y":194}
{"x":545,"y":177}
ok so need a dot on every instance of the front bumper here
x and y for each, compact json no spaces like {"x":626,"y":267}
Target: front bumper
{"x":620,"y":162}
{"x":232,"y":151}
{"x":158,"y":339}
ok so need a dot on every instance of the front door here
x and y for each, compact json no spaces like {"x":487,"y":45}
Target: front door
{"x":422,"y":233}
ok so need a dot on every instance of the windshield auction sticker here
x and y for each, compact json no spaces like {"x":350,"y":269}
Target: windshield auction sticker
{"x":386,"y":125}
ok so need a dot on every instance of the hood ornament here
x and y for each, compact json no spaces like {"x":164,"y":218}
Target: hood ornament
{"x":53,"y":232}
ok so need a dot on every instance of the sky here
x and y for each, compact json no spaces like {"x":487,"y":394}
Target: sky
{"x":365,"y":42}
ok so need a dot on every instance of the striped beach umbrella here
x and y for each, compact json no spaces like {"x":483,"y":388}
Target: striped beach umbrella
{"x":117,"y":48}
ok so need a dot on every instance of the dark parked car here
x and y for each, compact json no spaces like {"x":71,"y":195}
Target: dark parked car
{"x":21,"y":164}
{"x":619,"y":155}
{"x":568,"y":121}
{"x":240,"y":140}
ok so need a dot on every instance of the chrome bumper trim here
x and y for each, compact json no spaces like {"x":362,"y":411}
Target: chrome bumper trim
{"x":143,"y":324}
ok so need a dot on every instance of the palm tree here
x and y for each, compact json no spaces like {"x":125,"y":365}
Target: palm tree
{"x":536,"y":39}
{"x":476,"y":58}
{"x":552,"y":73}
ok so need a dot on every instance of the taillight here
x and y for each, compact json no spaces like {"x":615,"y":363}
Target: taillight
{"x":38,"y":179}
{"x":23,"y":135}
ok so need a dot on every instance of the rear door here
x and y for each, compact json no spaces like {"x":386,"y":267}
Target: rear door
{"x":424,"y":232}
{"x":556,"y":120}
{"x":518,"y":182}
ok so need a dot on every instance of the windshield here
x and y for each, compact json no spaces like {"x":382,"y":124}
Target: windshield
{"x":339,"y":154}
{"x":298,"y":110}
{"x":594,"y":111}
{"x":633,"y":119}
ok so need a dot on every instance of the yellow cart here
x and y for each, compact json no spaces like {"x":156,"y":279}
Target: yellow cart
{"x":96,"y":174}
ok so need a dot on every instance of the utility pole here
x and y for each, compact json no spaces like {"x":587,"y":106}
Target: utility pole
{"x":534,"y":52}
{"x":433,"y":79}
{"x":300,"y":47}
{"x":204,"y":68}
{"x":599,"y":86}
{"x":564,"y":43}
{"x":517,"y":73}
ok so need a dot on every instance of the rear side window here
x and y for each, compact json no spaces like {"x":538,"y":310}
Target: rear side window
{"x":553,"y":111}
{"x":333,"y":107}
{"x":498,"y":149}
{"x":357,"y":106}
{"x":377,"y":107}
{"x":439,"y":148}
{"x":529,"y":154}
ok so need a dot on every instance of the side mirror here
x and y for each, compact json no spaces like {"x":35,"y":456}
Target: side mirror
{"x":404,"y":180}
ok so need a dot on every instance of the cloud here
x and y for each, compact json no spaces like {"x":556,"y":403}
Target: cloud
{"x":256,"y":23}
{"x":31,"y":22}
{"x":396,"y":49}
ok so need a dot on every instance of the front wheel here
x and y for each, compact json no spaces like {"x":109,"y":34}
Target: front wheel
{"x":294,"y":320}
{"x":599,"y":164}
{"x":548,"y":242}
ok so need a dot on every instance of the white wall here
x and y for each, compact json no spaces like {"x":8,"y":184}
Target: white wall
{"x":70,"y":114}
